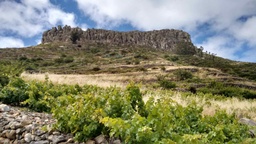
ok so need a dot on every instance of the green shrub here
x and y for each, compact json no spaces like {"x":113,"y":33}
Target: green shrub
{"x":141,"y":56}
{"x":169,"y":122}
{"x":23,"y":58}
{"x":171,"y":58}
{"x":64,"y":60}
{"x":136,"y":61}
{"x":96,"y":69}
{"x":89,"y":111}
{"x":15,"y":92}
{"x":165,"y":83}
{"x":174,"y":58}
{"x":218,"y":88}
{"x":59,"y":60}
{"x":75,"y":35}
{"x":163,"y":68}
{"x":68,"y":60}
{"x":95,"y":50}
{"x":12,"y":69}
{"x":249,"y":94}
{"x":4,"y":80}
{"x":192,"y":89}
{"x":94,"y":104}
{"x":183,"y":74}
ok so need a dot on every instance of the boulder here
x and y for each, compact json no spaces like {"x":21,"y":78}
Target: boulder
{"x":4,"y":108}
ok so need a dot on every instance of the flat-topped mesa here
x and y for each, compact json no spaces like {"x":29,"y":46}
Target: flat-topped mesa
{"x":164,"y":39}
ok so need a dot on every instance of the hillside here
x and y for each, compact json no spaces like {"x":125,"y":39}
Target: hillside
{"x":132,"y":87}
{"x":147,"y":57}
{"x":71,"y":50}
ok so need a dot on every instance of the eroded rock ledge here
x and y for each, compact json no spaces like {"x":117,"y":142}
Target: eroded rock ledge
{"x":162,"y":39}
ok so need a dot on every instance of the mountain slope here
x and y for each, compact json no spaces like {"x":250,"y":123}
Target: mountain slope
{"x":181,"y":63}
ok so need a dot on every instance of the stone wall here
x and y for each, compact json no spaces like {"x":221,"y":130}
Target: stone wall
{"x":162,"y":39}
{"x":19,"y":126}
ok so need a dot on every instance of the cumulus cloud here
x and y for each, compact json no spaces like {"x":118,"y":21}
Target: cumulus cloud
{"x":224,"y":46}
{"x":151,"y":14}
{"x":234,"y":19}
{"x":10,"y":42}
{"x":31,"y":17}
{"x":246,"y":31}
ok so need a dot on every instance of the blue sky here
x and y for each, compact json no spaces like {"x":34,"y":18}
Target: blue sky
{"x":224,"y":27}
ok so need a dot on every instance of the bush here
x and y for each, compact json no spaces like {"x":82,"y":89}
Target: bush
{"x":94,"y":104}
{"x":96,"y":69}
{"x":249,"y":94}
{"x":38,"y":96}
{"x":141,"y":56}
{"x":4,"y":80}
{"x":218,"y":88}
{"x":136,"y":61}
{"x":64,"y":60}
{"x":68,"y":60}
{"x":171,"y":58}
{"x":183,"y":74}
{"x":23,"y":58}
{"x":75,"y":35}
{"x":15,"y":92}
{"x":59,"y":60}
{"x":164,"y":83}
{"x":174,"y":58}
{"x":89,"y":111}
{"x":12,"y":69}
{"x":169,"y":122}
{"x":163,"y":68}
{"x":192,"y":89}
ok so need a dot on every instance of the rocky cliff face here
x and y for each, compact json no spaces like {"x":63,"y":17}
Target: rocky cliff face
{"x":162,"y":39}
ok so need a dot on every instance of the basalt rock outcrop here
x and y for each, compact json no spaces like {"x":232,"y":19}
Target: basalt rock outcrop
{"x":161,"y":39}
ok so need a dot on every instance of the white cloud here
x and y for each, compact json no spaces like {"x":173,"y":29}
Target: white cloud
{"x":31,"y":17}
{"x":152,"y":14}
{"x":222,"y":45}
{"x":246,"y":31}
{"x":10,"y":42}
{"x":56,"y":15}
{"x":222,"y":17}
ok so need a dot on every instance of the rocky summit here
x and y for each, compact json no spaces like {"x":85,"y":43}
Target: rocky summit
{"x":162,"y":39}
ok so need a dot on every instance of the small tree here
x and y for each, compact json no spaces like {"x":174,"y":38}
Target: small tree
{"x":183,"y":74}
{"x":74,"y":36}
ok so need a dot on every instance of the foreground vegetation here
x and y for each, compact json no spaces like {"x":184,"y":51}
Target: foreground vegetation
{"x":153,"y":115}
{"x":88,"y":111}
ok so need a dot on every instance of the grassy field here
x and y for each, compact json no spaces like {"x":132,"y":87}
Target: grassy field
{"x":209,"y":102}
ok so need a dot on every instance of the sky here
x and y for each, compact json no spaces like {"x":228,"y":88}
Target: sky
{"x":223,"y":27}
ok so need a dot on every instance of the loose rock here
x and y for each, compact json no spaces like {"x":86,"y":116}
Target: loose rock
{"x":24,"y":127}
{"x":4,"y":108}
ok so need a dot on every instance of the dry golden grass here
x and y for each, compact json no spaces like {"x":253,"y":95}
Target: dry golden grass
{"x":242,"y":108}
{"x":102,"y":80}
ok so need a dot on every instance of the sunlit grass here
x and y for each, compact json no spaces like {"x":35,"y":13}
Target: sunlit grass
{"x":210,"y":103}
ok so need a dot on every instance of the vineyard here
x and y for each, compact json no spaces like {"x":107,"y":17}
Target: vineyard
{"x":88,"y":111}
